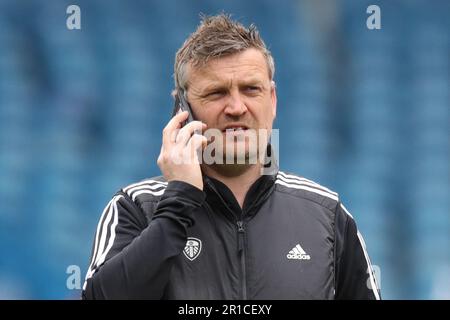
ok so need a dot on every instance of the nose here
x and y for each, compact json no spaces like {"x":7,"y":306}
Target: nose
{"x":235,"y":106}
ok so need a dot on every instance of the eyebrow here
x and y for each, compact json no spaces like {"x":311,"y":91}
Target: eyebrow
{"x":219,"y":86}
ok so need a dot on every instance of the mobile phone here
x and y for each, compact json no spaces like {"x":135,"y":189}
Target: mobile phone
{"x":181,"y":104}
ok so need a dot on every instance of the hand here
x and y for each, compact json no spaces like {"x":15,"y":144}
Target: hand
{"x":178,"y":159}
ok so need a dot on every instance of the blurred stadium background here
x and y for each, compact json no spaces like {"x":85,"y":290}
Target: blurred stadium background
{"x":363,"y":112}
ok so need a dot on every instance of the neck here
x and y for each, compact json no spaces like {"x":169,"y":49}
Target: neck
{"x":238,"y":178}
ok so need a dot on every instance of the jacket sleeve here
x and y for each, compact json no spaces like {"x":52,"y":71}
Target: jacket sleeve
{"x":132,"y":259}
{"x":355,"y":278}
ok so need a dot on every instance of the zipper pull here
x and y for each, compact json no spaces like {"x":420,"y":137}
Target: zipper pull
{"x":241,"y":232}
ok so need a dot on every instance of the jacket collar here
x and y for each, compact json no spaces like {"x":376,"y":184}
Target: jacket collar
{"x":219,"y":196}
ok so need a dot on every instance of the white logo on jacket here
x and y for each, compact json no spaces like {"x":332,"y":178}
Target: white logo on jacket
{"x":193,"y":248}
{"x":297,"y":253}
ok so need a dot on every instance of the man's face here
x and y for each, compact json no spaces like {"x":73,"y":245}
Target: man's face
{"x":234,"y":92}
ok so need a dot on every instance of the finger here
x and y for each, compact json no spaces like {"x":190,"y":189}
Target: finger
{"x":196,"y":143}
{"x":173,"y":135}
{"x":204,"y":142}
{"x":188,"y":130}
{"x":172,"y":125}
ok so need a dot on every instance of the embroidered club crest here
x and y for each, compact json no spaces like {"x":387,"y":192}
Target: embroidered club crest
{"x":193,"y":248}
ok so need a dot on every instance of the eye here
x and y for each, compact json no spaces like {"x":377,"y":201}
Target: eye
{"x":215,"y":94}
{"x":252,"y":89}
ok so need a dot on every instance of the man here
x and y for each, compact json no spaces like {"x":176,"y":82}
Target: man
{"x":226,"y":230}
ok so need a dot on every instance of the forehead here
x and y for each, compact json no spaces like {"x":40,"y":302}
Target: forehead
{"x":242,"y":65}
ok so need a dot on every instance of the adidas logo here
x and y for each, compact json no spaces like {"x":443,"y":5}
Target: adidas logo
{"x":297,"y":253}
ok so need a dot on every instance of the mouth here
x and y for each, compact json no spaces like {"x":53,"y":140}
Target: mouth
{"x":235,"y":129}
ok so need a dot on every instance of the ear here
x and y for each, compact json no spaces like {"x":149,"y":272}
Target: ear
{"x":273,"y":96}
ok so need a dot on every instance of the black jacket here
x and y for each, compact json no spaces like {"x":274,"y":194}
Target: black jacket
{"x":292,"y":239}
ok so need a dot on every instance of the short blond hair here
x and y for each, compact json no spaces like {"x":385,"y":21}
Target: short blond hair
{"x":217,"y":36}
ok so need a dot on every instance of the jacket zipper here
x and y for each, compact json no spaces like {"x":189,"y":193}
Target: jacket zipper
{"x":241,"y":243}
{"x":241,"y":252}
